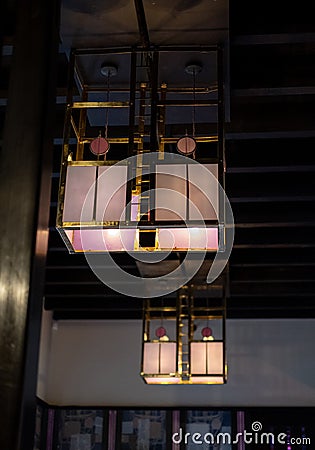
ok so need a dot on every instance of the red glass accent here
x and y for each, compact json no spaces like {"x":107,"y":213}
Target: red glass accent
{"x":160,"y":332}
{"x":206,"y":332}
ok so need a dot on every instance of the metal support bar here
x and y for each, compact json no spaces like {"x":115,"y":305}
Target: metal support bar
{"x":75,"y":129}
{"x":154,"y":100}
{"x":162,"y":48}
{"x":82,"y":127}
{"x":132,"y":102}
{"x":161,"y":124}
{"x":100,"y":105}
{"x":187,"y":103}
{"x":111,"y":140}
{"x":173,"y":140}
{"x":182,"y":90}
{"x":142,"y":24}
{"x":221,"y":132}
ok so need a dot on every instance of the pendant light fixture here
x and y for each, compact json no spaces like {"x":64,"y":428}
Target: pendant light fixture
{"x":190,"y":348}
{"x":94,"y":215}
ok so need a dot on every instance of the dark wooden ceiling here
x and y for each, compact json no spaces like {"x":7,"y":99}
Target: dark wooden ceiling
{"x":270,"y":144}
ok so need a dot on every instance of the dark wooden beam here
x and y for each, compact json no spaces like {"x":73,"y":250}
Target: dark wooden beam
{"x":24,"y":211}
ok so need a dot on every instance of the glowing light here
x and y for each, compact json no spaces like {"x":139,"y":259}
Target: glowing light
{"x":113,"y":233}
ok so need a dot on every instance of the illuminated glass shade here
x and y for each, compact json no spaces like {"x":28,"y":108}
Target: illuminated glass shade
{"x":127,"y":239}
{"x":94,"y":215}
{"x":207,"y":363}
{"x":175,"y":182}
{"x":94,"y":195}
{"x":178,"y":356}
{"x":159,"y":363}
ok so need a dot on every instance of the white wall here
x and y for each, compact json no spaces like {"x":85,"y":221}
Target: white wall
{"x":44,"y":354}
{"x":270,"y":363}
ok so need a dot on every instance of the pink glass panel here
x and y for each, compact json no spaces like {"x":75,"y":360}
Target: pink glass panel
{"x":69,"y":234}
{"x":104,"y":240}
{"x":168,"y":357}
{"x":215,"y":357}
{"x":159,"y":357}
{"x":198,"y":355}
{"x":188,"y":238}
{"x":206,"y":357}
{"x":78,"y":183}
{"x":123,"y":239}
{"x":151,"y":358}
{"x":203,"y":191}
{"x":111,"y":193}
{"x":134,"y":207}
{"x":207,"y":380}
{"x":162,"y":380}
{"x":169,"y":205}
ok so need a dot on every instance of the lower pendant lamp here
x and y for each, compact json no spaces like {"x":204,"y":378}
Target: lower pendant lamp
{"x":183,"y":355}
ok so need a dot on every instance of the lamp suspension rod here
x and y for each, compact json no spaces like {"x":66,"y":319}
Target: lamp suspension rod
{"x":107,"y":109}
{"x":194,"y":106}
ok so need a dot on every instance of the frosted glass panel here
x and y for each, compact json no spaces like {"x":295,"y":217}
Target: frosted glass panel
{"x":173,"y":238}
{"x":103,"y":240}
{"x":78,"y":183}
{"x":185,"y":238}
{"x":215,"y":357}
{"x":198,"y":357}
{"x":169,"y":204}
{"x":151,"y":358}
{"x":207,"y":357}
{"x":203,"y":191}
{"x":210,"y":379}
{"x":162,"y":380}
{"x":168,"y":357}
{"x":159,"y":358}
{"x":111,"y":193}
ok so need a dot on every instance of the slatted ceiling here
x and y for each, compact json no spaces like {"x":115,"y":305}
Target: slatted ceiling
{"x":270,"y":236}
{"x":247,"y":17}
{"x":270,"y":184}
{"x":274,"y":213}
{"x":271,"y":66}
{"x":283,"y":116}
{"x":270,"y":152}
{"x":276,"y":272}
